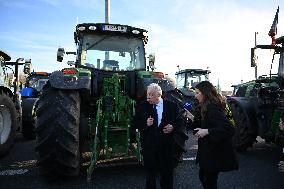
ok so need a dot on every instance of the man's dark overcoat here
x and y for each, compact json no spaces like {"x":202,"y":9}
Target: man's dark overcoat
{"x":153,"y":139}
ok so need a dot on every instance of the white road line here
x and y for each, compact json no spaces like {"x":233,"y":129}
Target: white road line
{"x":189,"y":159}
{"x":13,"y":172}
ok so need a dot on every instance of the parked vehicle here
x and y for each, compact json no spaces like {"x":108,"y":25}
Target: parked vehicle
{"x":186,"y":80}
{"x":257,"y":105}
{"x":89,"y":107}
{"x":30,"y":94}
{"x":10,"y":108}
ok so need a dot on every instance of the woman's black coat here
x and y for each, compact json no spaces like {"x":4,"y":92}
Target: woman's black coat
{"x":215,"y":151}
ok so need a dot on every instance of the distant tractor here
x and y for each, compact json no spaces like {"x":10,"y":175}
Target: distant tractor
{"x":186,"y":80}
{"x":90,"y":107}
{"x":258,"y":104}
{"x":34,"y":84}
{"x":30,"y":94}
{"x":10,"y":108}
{"x":189,"y":78}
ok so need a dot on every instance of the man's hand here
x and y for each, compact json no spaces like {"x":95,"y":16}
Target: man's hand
{"x":201,"y":132}
{"x":150,"y":121}
{"x":168,"y":128}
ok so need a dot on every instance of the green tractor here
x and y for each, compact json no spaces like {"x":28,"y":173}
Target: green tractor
{"x":186,"y":80}
{"x":10,"y":108}
{"x":89,"y":107}
{"x":189,"y":78}
{"x":258,"y":104}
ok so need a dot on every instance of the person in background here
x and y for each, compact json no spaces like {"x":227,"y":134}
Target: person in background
{"x":156,"y":120}
{"x":214,"y":131}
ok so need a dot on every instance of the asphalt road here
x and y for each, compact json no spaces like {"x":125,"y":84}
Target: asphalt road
{"x":258,"y":170}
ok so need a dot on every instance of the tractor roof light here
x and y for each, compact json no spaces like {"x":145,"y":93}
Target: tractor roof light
{"x":92,"y":28}
{"x":135,"y":32}
{"x":81,"y":28}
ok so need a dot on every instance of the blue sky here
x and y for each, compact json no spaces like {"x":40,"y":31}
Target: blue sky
{"x":193,"y":34}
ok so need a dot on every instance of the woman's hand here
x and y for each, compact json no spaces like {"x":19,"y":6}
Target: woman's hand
{"x":200,"y":133}
{"x":188,"y":115}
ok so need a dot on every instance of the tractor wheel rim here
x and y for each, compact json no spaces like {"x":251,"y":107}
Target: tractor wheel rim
{"x":5,"y":123}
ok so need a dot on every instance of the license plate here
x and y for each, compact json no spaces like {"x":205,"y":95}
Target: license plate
{"x":115,"y":28}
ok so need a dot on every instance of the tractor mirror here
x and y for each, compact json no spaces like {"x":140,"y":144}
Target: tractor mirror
{"x":253,"y":58}
{"x":151,"y":59}
{"x":27,"y":67}
{"x":60,"y":54}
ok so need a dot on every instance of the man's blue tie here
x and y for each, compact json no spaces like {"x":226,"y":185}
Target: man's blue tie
{"x":155,"y":114}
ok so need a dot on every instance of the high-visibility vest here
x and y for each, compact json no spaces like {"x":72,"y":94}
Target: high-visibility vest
{"x":229,"y":115}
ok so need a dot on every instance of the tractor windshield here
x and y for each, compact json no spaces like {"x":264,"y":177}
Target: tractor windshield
{"x":193,"y":79}
{"x":180,"y":81}
{"x":190,"y":80}
{"x":113,"y":53}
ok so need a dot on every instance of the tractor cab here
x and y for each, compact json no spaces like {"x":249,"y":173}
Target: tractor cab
{"x":109,"y":47}
{"x":189,"y":78}
{"x":34,"y":84}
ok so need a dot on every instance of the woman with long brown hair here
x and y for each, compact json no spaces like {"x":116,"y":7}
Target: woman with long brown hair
{"x":214,"y":131}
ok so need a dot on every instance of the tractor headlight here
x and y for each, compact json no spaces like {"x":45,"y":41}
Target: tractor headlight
{"x":81,"y":28}
{"x":92,"y":28}
{"x":135,"y":31}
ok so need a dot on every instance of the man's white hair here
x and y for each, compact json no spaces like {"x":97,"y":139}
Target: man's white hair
{"x":154,"y":87}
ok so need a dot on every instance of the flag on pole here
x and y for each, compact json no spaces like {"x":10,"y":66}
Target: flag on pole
{"x":273,"y":30}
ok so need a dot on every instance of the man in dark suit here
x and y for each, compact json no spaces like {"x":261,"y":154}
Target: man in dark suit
{"x":156,"y":119}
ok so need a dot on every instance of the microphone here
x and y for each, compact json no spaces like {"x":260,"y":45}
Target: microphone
{"x":185,"y":121}
{"x":187,"y":106}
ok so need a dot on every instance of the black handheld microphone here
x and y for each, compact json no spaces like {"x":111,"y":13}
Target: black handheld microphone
{"x":186,"y":106}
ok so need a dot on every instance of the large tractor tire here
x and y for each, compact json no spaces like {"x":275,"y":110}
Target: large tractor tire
{"x":8,"y":123}
{"x":57,"y":131}
{"x":28,"y":118}
{"x":245,"y":135}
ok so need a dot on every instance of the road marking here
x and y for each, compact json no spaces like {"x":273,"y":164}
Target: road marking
{"x":189,"y":159}
{"x":13,"y":172}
